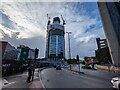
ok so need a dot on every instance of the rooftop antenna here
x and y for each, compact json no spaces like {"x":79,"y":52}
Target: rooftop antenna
{"x":63,"y":20}
{"x":48,"y":18}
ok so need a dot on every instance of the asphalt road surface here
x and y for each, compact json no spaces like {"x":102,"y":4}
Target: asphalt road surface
{"x":53,"y":78}
{"x":16,"y":81}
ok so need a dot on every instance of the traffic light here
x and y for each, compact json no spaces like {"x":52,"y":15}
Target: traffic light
{"x":36,"y":52}
{"x":77,"y":57}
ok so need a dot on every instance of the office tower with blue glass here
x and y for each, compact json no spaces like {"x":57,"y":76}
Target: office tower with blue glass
{"x":55,"y":43}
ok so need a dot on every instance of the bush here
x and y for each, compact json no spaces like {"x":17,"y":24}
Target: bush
{"x":86,"y":67}
{"x":103,"y":56}
{"x":83,"y":62}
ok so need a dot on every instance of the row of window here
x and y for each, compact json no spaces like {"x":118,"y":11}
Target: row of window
{"x":53,"y":42}
{"x":57,"y":32}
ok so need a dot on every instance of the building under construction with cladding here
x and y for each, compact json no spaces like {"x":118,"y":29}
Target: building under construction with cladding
{"x":55,"y":43}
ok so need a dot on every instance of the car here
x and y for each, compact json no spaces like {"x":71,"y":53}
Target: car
{"x":58,"y":68}
{"x":64,"y":66}
{"x":54,"y":66}
{"x":116,"y":82}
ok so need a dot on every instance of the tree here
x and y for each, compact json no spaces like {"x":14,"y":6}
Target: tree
{"x":83,"y":62}
{"x":71,"y":61}
{"x":85,"y":58}
{"x":103,"y":56}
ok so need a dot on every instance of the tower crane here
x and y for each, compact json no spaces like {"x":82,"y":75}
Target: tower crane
{"x":63,"y":20}
{"x":48,"y":18}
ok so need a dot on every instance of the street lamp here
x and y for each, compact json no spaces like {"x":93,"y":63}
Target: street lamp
{"x":69,"y":46}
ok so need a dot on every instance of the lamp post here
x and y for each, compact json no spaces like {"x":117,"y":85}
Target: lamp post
{"x":69,"y":47}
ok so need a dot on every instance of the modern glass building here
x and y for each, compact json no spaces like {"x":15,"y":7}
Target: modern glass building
{"x":110,"y":15}
{"x":55,"y":44}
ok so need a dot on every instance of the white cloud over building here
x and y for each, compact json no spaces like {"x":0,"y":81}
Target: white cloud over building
{"x":28,"y":21}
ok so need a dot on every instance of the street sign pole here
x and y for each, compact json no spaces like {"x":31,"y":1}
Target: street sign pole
{"x":69,"y":47}
{"x":79,"y":66}
{"x":78,"y":61}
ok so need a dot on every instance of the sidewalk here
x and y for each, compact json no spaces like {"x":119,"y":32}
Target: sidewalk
{"x":37,"y":82}
{"x":19,"y":82}
{"x":101,"y":74}
{"x":109,"y":68}
{"x":15,"y":81}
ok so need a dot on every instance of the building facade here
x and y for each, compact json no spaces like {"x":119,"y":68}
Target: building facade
{"x":110,"y":15}
{"x":8,"y":51}
{"x":102,"y":53}
{"x":55,"y":43}
{"x":101,"y":43}
{"x":25,"y":53}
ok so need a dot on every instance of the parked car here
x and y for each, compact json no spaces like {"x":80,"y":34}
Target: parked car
{"x":65,"y":66}
{"x":116,"y":82}
{"x":58,"y":68}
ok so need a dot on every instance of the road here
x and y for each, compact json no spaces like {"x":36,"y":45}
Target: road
{"x":53,"y":78}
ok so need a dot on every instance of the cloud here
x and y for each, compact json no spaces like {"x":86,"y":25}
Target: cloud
{"x":24,"y":19}
{"x":8,"y":32}
{"x":85,"y":39}
{"x":28,"y":20}
{"x":52,"y":0}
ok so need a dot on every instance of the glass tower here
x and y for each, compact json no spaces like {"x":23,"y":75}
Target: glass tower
{"x":55,"y":44}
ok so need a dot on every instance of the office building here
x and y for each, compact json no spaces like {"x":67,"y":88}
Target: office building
{"x":8,"y":52}
{"x":102,"y":53}
{"x":55,"y":43}
{"x":101,"y":43}
{"x":110,"y":15}
{"x":25,"y":53}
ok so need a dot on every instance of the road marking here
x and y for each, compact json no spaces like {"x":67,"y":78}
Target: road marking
{"x":4,"y":82}
{"x":9,"y":84}
{"x":72,"y":72}
{"x":41,"y":80}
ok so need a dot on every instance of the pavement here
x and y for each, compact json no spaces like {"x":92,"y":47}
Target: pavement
{"x":103,"y":74}
{"x":109,"y":68}
{"x":18,"y":81}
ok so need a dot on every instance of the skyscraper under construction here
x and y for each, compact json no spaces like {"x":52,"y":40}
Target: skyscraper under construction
{"x":55,"y":43}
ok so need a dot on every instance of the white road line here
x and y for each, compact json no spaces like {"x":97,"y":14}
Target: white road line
{"x":9,"y":84}
{"x":72,"y":72}
{"x":41,"y":81}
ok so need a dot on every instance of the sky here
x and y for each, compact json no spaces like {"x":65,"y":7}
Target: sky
{"x":24,"y":23}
